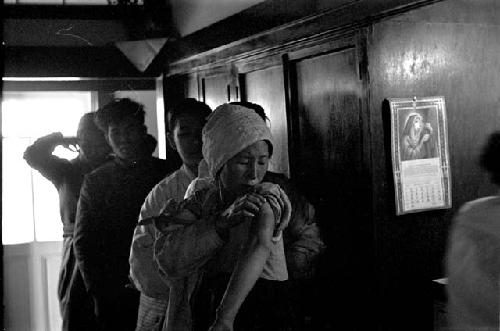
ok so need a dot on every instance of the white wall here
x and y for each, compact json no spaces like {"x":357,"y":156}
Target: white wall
{"x":192,"y":15}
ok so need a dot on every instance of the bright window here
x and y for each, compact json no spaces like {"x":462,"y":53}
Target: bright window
{"x":30,"y":204}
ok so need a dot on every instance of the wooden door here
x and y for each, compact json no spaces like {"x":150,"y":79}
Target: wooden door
{"x":325,"y":101}
{"x":329,"y":151}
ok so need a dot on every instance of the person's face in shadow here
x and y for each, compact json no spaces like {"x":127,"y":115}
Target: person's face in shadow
{"x":127,"y":138}
{"x":246,"y":169}
{"x":185,"y":138}
{"x":93,"y":147}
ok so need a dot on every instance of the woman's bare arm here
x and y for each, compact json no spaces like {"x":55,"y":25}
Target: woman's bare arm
{"x":248,"y":268}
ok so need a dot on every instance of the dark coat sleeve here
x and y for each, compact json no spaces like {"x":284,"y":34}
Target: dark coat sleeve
{"x":88,"y":241}
{"x":302,"y":238}
{"x":39,"y":156}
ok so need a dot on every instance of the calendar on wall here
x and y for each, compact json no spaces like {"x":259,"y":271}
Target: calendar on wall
{"x":419,"y":149}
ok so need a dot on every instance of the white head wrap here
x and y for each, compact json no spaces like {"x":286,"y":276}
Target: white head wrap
{"x":229,"y":130}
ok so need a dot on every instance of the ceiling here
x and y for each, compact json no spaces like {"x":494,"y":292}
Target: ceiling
{"x":70,"y":38}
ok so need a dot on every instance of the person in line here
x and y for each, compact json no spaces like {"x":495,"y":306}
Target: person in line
{"x":473,"y":255}
{"x":222,"y":249}
{"x":417,"y":140}
{"x":67,"y":177}
{"x":185,"y":122}
{"x":110,"y":200}
{"x":302,"y":239}
{"x":303,"y":244}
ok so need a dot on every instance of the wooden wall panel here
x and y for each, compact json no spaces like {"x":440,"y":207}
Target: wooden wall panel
{"x":328,"y":91}
{"x":30,"y":286}
{"x":16,"y":291}
{"x":50,"y":268}
{"x":265,"y":87}
{"x":329,"y":159}
{"x":43,"y":280}
{"x":449,"y":49}
{"x":216,"y":90}
{"x":192,"y":87}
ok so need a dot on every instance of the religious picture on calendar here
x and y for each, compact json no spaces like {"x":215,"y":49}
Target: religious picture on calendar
{"x":419,"y":150}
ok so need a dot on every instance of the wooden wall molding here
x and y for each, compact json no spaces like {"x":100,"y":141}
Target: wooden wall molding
{"x":200,"y":50}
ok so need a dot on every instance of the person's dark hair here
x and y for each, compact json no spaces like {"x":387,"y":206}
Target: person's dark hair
{"x":489,"y":158}
{"x":189,"y":106}
{"x":151,"y":143}
{"x":257,"y":108}
{"x":116,"y":110}
{"x":87,"y":125}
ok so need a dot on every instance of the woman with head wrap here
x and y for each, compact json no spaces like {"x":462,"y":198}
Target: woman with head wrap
{"x":417,"y":142}
{"x":221,"y":249}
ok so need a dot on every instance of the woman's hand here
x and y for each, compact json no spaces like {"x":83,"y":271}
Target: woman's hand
{"x":280,"y":203}
{"x":242,"y":209}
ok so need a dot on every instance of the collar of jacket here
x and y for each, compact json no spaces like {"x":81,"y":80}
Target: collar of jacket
{"x":133,"y":164}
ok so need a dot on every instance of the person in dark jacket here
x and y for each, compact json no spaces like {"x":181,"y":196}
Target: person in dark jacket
{"x":110,"y":201}
{"x":67,"y":177}
{"x":472,"y":258}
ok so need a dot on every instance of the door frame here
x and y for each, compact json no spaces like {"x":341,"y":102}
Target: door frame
{"x":315,"y":47}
